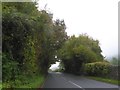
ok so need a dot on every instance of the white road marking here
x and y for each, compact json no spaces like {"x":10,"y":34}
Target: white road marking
{"x":76,"y":85}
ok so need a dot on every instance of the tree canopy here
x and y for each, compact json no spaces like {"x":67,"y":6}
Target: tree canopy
{"x":30,"y":39}
{"x":77,"y":51}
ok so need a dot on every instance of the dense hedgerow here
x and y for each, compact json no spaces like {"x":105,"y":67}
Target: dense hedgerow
{"x":97,"y":68}
{"x":30,"y":40}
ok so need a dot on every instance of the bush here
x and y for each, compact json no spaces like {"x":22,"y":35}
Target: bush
{"x":114,"y":72}
{"x":97,"y":69}
{"x":9,"y":68}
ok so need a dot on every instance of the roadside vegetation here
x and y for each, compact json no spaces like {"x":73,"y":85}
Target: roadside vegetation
{"x":82,"y":56}
{"x":77,"y":51}
{"x":97,"y":69}
{"x":0,"y":85}
{"x":115,"y":61}
{"x":102,"y":71}
{"x":107,"y":80}
{"x":29,"y":82}
{"x":31,"y":40}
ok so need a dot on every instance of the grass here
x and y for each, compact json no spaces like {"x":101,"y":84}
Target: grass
{"x":29,"y":82}
{"x":36,"y":82}
{"x":0,"y":85}
{"x":107,"y":80}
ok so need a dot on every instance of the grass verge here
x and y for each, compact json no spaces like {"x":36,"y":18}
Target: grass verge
{"x":0,"y":85}
{"x":35,"y":82}
{"x":29,"y":82}
{"x":107,"y":80}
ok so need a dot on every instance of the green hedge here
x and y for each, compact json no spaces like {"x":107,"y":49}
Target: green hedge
{"x":97,"y":69}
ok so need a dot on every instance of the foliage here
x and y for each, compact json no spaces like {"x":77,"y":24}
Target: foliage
{"x":0,"y":85}
{"x":97,"y":69}
{"x":114,"y":72}
{"x":115,"y":61}
{"x":30,"y":40}
{"x":9,"y":68}
{"x":61,"y":66}
{"x":77,"y":51}
{"x":107,"y":80}
{"x":34,"y":82}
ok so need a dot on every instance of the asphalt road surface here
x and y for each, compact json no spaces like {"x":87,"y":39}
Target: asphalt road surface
{"x":62,"y":80}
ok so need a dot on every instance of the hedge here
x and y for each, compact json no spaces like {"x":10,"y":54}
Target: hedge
{"x":97,"y":69}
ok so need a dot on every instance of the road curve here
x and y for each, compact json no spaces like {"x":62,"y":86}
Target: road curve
{"x":62,"y":80}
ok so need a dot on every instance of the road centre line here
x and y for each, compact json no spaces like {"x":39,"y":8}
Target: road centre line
{"x":76,"y":85}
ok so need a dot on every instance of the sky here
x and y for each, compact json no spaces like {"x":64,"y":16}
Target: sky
{"x":55,"y":66}
{"x":97,"y":18}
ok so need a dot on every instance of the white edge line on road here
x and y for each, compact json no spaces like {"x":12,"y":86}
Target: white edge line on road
{"x":76,"y":85}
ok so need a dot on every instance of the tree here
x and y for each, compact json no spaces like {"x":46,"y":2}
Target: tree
{"x":30,"y":39}
{"x":77,"y":51}
{"x":115,"y":61}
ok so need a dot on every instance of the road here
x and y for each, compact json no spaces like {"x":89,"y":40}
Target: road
{"x":62,"y":80}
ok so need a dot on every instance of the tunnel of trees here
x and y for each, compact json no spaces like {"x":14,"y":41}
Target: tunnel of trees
{"x":78,"y":51}
{"x":31,"y":39}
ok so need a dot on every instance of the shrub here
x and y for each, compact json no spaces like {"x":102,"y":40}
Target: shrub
{"x":97,"y":69}
{"x":9,"y":67}
{"x":114,"y":72}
